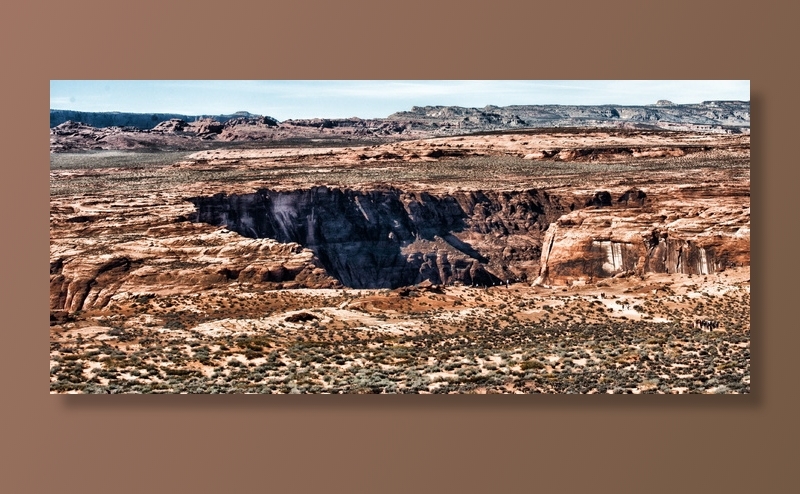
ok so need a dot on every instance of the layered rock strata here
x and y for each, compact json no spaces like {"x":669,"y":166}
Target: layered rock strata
{"x":386,"y":238}
{"x":701,"y":237}
{"x":171,"y":257}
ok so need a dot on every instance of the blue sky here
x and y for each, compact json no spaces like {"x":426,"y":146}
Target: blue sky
{"x":369,"y":99}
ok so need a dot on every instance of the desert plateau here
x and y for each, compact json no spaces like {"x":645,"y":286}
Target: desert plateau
{"x":590,"y":250}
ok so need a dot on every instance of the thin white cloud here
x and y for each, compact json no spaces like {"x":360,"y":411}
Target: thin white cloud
{"x":370,"y":98}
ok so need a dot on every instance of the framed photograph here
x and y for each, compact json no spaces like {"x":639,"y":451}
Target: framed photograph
{"x":400,"y":237}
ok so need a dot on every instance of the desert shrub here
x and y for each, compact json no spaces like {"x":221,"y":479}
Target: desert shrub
{"x":182,"y":372}
{"x":531,"y":364}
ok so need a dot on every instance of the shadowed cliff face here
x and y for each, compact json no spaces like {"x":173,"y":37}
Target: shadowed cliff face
{"x":389,"y":238}
{"x":322,"y":237}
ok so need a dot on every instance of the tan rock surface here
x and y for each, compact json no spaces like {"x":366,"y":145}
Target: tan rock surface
{"x":653,"y":227}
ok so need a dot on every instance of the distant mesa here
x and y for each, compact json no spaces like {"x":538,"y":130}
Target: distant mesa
{"x":143,"y":121}
{"x":116,"y":130}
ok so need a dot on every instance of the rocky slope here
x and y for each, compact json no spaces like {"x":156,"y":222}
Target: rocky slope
{"x":161,"y":255}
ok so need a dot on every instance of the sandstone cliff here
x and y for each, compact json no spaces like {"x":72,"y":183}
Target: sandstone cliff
{"x":703,"y":236}
{"x":169,"y":256}
{"x":388,"y":238}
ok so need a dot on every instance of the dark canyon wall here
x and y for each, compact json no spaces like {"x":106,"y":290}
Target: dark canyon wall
{"x":386,"y":238}
{"x":389,"y":238}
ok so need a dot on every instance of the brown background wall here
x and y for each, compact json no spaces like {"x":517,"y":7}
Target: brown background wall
{"x":396,"y":443}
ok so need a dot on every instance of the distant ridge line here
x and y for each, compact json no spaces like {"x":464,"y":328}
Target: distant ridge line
{"x":663,"y":113}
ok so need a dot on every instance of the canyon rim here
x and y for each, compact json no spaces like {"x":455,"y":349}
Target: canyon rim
{"x":442,"y":249}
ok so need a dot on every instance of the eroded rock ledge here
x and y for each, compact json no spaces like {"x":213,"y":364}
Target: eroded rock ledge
{"x":322,"y":237}
{"x":386,"y":238}
{"x":594,"y":243}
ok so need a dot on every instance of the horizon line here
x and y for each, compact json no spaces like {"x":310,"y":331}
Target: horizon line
{"x":655,"y":104}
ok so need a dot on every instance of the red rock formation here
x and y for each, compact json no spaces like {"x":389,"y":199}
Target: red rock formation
{"x":702,"y":236}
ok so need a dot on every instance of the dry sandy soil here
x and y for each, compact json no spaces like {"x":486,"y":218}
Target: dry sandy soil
{"x":145,"y":299}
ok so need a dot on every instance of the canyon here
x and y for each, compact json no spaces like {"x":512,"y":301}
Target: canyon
{"x":393,"y":242}
{"x":390,"y":238}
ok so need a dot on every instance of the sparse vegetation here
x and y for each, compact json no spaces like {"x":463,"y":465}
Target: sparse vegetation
{"x":232,"y":336}
{"x":481,"y":350}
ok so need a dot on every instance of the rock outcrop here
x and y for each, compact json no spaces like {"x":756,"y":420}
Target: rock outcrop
{"x":389,"y":238}
{"x":174,"y":257}
{"x":714,"y":116}
{"x":699,"y":237}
